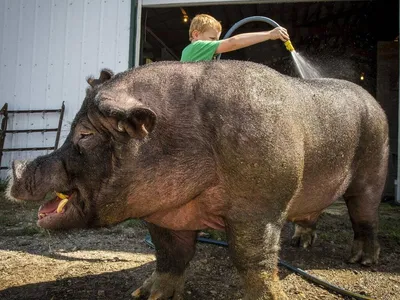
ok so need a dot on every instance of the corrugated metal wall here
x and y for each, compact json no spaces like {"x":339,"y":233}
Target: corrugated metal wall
{"x":47,"y":49}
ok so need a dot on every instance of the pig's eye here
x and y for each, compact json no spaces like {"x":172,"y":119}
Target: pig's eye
{"x":85,"y":135}
{"x":83,"y":141}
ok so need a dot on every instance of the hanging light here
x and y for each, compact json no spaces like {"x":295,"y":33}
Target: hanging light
{"x":185,"y":17}
{"x":362,"y":77}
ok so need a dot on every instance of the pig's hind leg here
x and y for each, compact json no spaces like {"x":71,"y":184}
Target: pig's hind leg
{"x":363,"y":198}
{"x":174,"y":250}
{"x":364,"y":219}
{"x":304,"y":233}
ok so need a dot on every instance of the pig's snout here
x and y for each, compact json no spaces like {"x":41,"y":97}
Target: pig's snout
{"x":16,"y":173}
{"x":18,"y":168}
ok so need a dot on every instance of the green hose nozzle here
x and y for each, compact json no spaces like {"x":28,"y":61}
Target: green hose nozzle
{"x":289,"y":45}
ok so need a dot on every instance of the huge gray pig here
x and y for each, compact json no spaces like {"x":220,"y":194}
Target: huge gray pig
{"x":226,"y":145}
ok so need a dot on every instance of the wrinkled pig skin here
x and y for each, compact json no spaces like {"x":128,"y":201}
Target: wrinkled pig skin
{"x":227,"y":145}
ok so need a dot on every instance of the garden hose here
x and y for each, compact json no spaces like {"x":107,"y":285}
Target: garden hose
{"x":288,"y":43}
{"x":301,"y":272}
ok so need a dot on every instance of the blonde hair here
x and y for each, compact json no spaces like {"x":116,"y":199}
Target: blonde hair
{"x":202,"y":23}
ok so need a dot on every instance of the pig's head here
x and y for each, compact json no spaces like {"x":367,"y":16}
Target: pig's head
{"x":90,"y":169}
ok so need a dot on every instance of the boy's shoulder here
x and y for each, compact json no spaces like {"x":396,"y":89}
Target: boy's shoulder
{"x":200,"y":50}
{"x":200,"y":44}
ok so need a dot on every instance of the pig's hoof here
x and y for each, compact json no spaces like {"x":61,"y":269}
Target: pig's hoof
{"x":161,"y":286}
{"x":303,"y":237}
{"x":263,"y":285}
{"x":363,"y":259}
{"x":365,"y":253}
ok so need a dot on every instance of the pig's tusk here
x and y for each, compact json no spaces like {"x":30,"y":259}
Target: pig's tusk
{"x":62,"y":196}
{"x":61,"y":205}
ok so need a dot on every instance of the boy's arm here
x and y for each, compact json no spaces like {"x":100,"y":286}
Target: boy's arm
{"x":247,"y":39}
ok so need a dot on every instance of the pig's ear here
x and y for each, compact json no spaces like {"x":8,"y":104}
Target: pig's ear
{"x":131,"y":116}
{"x":105,"y":75}
{"x":139,"y":122}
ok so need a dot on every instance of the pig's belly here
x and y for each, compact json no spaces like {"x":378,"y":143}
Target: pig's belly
{"x":313,"y":199}
{"x":191,"y":216}
{"x":304,"y":210}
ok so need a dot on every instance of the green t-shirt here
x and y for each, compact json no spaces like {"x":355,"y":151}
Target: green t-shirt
{"x":200,"y":50}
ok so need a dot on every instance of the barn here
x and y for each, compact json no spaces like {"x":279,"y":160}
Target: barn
{"x":49,"y":47}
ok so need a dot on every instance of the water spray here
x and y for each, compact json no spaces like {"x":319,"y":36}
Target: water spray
{"x":302,"y":65}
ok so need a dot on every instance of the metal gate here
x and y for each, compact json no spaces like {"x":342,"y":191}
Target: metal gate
{"x":5,"y":113}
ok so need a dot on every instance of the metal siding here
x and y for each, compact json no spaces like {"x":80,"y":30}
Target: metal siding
{"x":48,"y":48}
{"x":172,"y":3}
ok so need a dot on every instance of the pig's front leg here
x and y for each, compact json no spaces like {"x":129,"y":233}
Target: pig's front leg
{"x":254,"y":247}
{"x":174,"y":250}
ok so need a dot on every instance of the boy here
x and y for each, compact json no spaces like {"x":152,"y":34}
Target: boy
{"x":204,"y":33}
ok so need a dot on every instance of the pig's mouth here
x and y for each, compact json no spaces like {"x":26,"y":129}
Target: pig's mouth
{"x":58,"y":208}
{"x":55,"y":206}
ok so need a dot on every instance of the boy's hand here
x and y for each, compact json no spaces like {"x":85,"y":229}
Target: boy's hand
{"x":279,"y":33}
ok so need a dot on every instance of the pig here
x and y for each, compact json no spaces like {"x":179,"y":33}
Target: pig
{"x":227,"y":145}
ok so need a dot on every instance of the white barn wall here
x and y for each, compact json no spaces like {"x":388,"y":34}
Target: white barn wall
{"x":47,"y":49}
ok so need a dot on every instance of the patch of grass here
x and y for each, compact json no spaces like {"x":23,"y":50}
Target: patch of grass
{"x":389,"y":229}
{"x":132,"y":223}
{"x":27,"y":230}
{"x":388,"y":209}
{"x":7,"y":220}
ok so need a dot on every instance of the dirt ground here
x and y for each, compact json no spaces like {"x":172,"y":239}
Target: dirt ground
{"x":109,"y":263}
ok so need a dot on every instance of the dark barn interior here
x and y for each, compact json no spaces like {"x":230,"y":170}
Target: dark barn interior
{"x":352,"y":40}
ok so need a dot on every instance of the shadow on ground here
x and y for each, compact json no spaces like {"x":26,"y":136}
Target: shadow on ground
{"x":111,"y":285}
